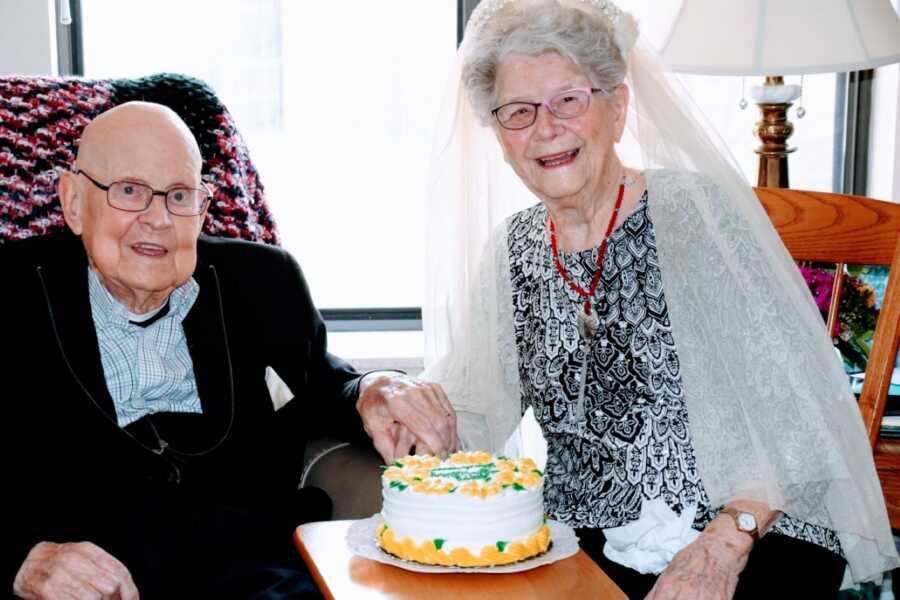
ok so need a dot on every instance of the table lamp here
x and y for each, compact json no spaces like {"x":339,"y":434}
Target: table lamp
{"x":774,"y":38}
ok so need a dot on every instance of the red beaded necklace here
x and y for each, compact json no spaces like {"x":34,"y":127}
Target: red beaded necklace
{"x":588,"y":322}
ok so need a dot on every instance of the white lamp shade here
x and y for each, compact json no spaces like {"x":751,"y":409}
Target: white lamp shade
{"x":782,"y":37}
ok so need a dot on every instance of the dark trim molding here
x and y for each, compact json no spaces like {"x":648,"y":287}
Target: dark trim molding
{"x":373,"y":319}
{"x":464,"y":10}
{"x":853,"y":111}
{"x":69,"y":49}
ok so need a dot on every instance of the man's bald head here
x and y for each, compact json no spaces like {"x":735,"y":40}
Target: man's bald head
{"x":118,"y":134}
{"x":140,"y":255}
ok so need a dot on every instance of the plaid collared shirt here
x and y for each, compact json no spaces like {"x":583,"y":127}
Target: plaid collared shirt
{"x":147,"y":369}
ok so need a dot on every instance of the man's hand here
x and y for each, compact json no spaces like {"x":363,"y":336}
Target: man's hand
{"x":399,"y":412}
{"x":76,"y":570}
{"x":707,"y":568}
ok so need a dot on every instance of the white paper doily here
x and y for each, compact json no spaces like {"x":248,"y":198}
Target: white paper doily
{"x":361,"y":542}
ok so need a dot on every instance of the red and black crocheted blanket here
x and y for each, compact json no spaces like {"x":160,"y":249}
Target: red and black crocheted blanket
{"x":41,"y":120}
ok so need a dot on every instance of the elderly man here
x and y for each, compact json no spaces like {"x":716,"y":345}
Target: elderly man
{"x":159,"y":388}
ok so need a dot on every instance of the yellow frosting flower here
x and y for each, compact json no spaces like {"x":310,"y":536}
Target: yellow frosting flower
{"x":505,"y":465}
{"x":526,"y":464}
{"x":504,"y":477}
{"x":470,"y":458}
{"x":528,"y":479}
{"x":491,"y":489}
{"x":394,"y":473}
{"x":469,"y":488}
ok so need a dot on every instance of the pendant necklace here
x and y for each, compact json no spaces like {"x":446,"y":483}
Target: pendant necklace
{"x":587,"y":320}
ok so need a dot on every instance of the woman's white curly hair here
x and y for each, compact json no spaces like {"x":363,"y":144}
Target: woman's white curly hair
{"x":594,"y":34}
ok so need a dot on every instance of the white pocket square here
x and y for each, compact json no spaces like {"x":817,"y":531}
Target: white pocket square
{"x":280,"y":393}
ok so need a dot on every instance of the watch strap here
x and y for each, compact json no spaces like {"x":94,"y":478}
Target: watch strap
{"x":735,"y":514}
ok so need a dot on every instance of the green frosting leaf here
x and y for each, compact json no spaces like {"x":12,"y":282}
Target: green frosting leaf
{"x":397,"y":463}
{"x":438,"y":543}
{"x":502,"y":458}
{"x":518,"y":487}
{"x":400,"y":486}
{"x":417,"y":479}
{"x":451,"y":490}
{"x":501,"y":545}
{"x":538,"y":471}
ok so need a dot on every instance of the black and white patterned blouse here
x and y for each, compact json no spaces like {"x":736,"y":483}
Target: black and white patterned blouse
{"x":612,"y":409}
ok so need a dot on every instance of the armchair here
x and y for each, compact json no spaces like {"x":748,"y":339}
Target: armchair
{"x":41,"y":120}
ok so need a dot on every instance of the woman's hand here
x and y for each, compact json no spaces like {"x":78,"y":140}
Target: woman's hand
{"x":708,"y":568}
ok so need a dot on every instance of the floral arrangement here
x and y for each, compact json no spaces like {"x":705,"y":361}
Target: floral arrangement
{"x":855,"y":326}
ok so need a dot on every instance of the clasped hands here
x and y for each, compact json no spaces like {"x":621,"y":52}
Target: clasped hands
{"x":399,"y":412}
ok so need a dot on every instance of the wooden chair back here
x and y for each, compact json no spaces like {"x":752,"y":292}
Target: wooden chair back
{"x":840,"y":228}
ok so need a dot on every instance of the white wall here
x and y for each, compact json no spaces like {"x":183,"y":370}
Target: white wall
{"x":884,"y":140}
{"x":884,"y":143}
{"x":27,"y":37}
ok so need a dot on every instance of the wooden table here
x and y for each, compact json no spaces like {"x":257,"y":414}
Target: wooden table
{"x":342,"y":576}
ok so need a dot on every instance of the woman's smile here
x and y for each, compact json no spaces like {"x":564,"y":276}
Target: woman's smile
{"x":560,"y":159}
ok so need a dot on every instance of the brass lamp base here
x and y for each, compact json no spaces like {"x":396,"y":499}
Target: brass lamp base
{"x":773,"y":130}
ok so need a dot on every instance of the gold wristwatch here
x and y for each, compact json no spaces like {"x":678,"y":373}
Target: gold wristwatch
{"x":744,"y":521}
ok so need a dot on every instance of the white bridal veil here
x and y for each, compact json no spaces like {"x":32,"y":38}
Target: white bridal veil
{"x":771,"y":414}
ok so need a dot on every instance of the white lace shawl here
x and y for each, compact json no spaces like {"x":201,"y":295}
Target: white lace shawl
{"x":770,"y":410}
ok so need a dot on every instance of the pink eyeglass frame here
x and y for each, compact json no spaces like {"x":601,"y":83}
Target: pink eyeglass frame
{"x":546,"y":104}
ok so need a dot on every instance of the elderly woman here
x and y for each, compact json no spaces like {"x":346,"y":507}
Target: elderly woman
{"x":701,"y":436}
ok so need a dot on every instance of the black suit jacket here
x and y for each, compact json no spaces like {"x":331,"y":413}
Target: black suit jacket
{"x":74,"y":474}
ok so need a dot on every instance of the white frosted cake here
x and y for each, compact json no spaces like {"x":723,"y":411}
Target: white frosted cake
{"x":472,"y":509}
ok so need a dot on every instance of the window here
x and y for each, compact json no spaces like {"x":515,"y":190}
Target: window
{"x":336,"y":101}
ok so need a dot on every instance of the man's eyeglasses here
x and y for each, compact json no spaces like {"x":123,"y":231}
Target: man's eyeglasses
{"x":565,"y":105}
{"x":132,"y":196}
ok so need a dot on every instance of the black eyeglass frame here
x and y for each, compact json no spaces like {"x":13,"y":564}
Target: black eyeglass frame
{"x":546,"y":103}
{"x":164,"y":193}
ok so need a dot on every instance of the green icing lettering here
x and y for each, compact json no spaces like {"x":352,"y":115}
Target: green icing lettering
{"x":438,"y":543}
{"x":484,"y":472}
{"x":501,"y":546}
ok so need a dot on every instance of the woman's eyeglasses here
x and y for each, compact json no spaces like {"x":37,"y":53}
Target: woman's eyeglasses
{"x":565,"y":105}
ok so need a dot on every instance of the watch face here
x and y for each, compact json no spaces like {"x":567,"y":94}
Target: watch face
{"x":746,"y":521}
